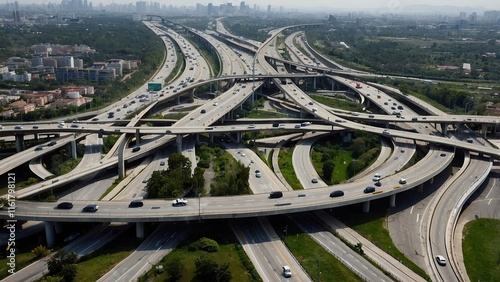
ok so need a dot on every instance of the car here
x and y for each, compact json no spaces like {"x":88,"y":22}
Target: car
{"x":215,"y":104}
{"x":39,"y":148}
{"x":275,"y":194}
{"x":18,"y":127}
{"x":402,"y":181}
{"x":90,"y":208}
{"x":71,"y":237}
{"x":95,"y":119}
{"x":311,"y":103}
{"x":378,"y":183}
{"x":386,"y":132}
{"x":377,"y":177}
{"x":203,"y":111}
{"x":287,"y":272}
{"x":136,"y":204}
{"x":251,"y":126}
{"x":369,"y":189}
{"x":243,"y":154}
{"x":35,"y":126}
{"x":281,"y":126}
{"x":162,"y":163}
{"x":442,"y":155}
{"x":74,"y":125}
{"x":64,"y":206}
{"x":314,"y":180}
{"x":136,"y":149}
{"x":337,"y":193}
{"x":179,"y":202}
{"x":52,"y":143}
{"x":60,"y":126}
{"x":275,"y":124}
{"x":440,"y":260}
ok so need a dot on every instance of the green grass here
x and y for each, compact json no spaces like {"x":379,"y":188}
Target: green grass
{"x":265,"y":114}
{"x":338,"y":103}
{"x":372,"y":226}
{"x":311,"y":256}
{"x":175,"y":115}
{"x":69,"y":165}
{"x":228,"y":253}
{"x":340,"y":160}
{"x":98,"y":263}
{"x":286,"y":168}
{"x":481,"y":249}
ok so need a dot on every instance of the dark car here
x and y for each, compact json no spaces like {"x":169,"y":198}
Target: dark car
{"x":337,"y":193}
{"x":136,"y":149}
{"x":203,"y":111}
{"x":369,"y":189}
{"x":39,"y":148}
{"x":64,"y":206}
{"x":136,"y":204}
{"x":35,"y":126}
{"x":314,"y":180}
{"x":276,"y":124}
{"x":90,"y":208}
{"x":276,"y":194}
{"x":95,"y":119}
{"x":378,"y":183}
{"x":52,"y":143}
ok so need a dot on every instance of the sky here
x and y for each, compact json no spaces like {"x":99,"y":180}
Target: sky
{"x":340,"y":4}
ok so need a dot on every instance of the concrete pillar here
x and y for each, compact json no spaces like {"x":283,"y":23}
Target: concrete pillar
{"x":484,"y":129}
{"x":238,"y":137}
{"x":494,"y":129}
{"x":366,"y":206}
{"x":121,"y":160}
{"x":35,"y":136}
{"x":197,"y":137}
{"x":211,"y":136}
{"x":392,"y":200}
{"x":432,"y":180}
{"x":314,"y":83}
{"x":19,"y":142}
{"x":139,"y":230}
{"x":178,"y":100}
{"x":191,"y":95}
{"x":73,"y":149}
{"x":50,"y":234}
{"x":420,"y":188}
{"x":178,"y":141}
{"x":137,"y":137}
{"x":444,"y":128}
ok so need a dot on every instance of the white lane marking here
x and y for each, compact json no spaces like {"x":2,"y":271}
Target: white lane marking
{"x":411,"y":210}
{"x":494,"y":182}
{"x":418,"y":216}
{"x":489,"y":202}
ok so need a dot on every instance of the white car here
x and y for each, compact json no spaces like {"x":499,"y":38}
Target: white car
{"x":179,"y":202}
{"x":287,"y":272}
{"x":402,"y":181}
{"x":440,"y":260}
{"x":377,"y":177}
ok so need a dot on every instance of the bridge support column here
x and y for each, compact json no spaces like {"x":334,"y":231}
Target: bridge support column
{"x":73,"y":149}
{"x":58,"y":226}
{"x":178,"y":141}
{"x":139,"y":230}
{"x":238,"y":137}
{"x":494,"y":129}
{"x":197,"y":137}
{"x":392,"y":200}
{"x":191,"y":95}
{"x":366,"y":206}
{"x":178,"y":100}
{"x":484,"y":129}
{"x":121,"y":160}
{"x":211,"y":136}
{"x":420,"y":188}
{"x":314,"y":83}
{"x":431,"y":181}
{"x":50,"y":234}
{"x":444,"y":128}
{"x":19,"y":143}
{"x":35,"y":136}
{"x":137,"y":137}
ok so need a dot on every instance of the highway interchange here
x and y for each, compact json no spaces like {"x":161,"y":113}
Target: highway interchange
{"x":437,"y":228}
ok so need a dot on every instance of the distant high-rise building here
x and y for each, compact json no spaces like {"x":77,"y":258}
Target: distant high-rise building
{"x":17,"y":6}
{"x":463,"y":15}
{"x":473,"y":18}
{"x":269,"y":8}
{"x":210,"y":9}
{"x":140,"y":6}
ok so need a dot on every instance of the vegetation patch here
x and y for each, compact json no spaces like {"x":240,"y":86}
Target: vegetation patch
{"x":338,"y":102}
{"x":286,"y":167}
{"x":188,"y":262}
{"x":317,"y":262}
{"x":373,"y":227}
{"x":481,"y":249}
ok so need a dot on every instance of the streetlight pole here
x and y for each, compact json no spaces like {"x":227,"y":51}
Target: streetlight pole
{"x":199,"y":206}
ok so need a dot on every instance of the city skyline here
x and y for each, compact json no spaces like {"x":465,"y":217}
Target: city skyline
{"x":390,"y":5}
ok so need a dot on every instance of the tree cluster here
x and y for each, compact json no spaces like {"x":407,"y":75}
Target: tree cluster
{"x":176,"y":180}
{"x":63,"y":264}
{"x":231,"y":177}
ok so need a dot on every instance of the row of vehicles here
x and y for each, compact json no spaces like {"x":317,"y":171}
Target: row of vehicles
{"x":132,"y":204}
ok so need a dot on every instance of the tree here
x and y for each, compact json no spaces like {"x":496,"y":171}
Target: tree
{"x":69,"y":272}
{"x":209,"y":270}
{"x":175,"y":268}
{"x":60,"y":259}
{"x":40,"y":251}
{"x":328,"y":168}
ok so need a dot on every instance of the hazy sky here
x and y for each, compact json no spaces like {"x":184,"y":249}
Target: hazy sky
{"x":341,"y":4}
